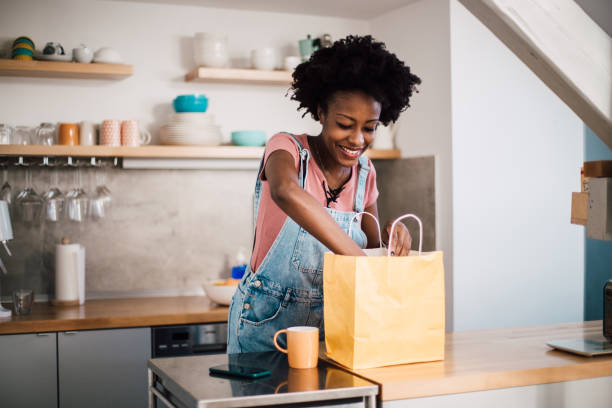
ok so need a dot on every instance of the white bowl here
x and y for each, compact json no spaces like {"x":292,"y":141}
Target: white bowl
{"x":263,"y":58}
{"x":107,"y":55}
{"x":191,"y":117}
{"x":220,"y":294}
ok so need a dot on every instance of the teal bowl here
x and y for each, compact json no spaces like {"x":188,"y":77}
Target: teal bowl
{"x":249,"y":138}
{"x":25,"y":40}
{"x":190,"y":103}
{"x":22,"y":51}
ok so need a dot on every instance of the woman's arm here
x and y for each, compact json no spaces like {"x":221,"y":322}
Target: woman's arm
{"x":303,"y":208}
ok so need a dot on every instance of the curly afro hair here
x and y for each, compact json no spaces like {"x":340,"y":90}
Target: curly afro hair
{"x":350,"y":64}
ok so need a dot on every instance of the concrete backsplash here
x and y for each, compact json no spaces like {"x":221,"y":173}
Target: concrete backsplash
{"x":170,"y":230}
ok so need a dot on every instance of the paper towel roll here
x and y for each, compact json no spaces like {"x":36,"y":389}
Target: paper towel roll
{"x":69,"y":273}
{"x":81,"y":275}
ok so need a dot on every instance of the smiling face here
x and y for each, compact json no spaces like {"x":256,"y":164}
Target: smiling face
{"x":348,"y":127}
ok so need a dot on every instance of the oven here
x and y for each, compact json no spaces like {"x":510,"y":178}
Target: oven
{"x":190,"y":339}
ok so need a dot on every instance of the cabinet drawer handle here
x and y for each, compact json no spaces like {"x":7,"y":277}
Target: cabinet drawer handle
{"x":70,"y":333}
{"x":42,"y":334}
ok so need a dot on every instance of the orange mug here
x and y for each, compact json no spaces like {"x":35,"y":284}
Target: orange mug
{"x":68,"y":134}
{"x":302,"y":346}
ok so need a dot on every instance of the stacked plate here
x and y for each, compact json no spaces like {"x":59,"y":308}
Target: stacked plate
{"x":190,"y":128}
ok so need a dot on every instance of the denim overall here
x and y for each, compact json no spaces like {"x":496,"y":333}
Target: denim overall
{"x":287,"y":289}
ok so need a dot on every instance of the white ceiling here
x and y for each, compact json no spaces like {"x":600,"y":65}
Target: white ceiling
{"x":357,"y":9}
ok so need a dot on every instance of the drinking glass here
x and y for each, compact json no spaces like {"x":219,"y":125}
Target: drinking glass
{"x":28,"y":202}
{"x":23,"y":135}
{"x":6,"y":193}
{"x":54,"y":200}
{"x":22,"y":301}
{"x":102,"y":200}
{"x":77,"y":201}
{"x":6,"y":134}
{"x":45,"y":134}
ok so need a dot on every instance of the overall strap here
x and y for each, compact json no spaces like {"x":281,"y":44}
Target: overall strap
{"x":303,"y":171}
{"x":304,"y":155}
{"x":364,"y":169}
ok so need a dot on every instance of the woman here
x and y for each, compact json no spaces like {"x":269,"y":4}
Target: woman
{"x":309,"y":189}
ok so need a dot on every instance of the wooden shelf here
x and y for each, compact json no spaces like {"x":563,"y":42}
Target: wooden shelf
{"x":158,"y":151}
{"x":231,"y":75}
{"x":56,"y":69}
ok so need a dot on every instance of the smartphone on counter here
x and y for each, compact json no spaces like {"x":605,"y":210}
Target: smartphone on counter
{"x":236,"y":370}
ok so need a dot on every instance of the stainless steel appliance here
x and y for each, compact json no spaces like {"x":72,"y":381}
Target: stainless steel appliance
{"x":186,"y":383}
{"x":183,"y":340}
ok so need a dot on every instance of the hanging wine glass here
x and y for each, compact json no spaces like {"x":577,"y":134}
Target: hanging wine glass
{"x":6,"y":192}
{"x":54,"y":199}
{"x":102,"y":200}
{"x":28,"y":202}
{"x":77,"y":201}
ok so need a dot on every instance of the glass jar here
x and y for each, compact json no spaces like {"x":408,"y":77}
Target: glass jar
{"x":23,"y":135}
{"x":6,"y":134}
{"x":45,"y":134}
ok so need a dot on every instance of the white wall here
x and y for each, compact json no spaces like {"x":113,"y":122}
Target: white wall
{"x":420,"y":35}
{"x":517,"y":152}
{"x":156,"y":39}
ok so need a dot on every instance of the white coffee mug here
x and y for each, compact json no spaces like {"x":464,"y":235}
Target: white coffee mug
{"x":132,"y":135}
{"x":87,"y":133}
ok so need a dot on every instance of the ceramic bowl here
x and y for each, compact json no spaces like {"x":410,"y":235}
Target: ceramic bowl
{"x":190,"y":103}
{"x":53,"y":48}
{"x":263,"y":58}
{"x":23,"y":57}
{"x":82,"y":54}
{"x":23,"y":51}
{"x":23,"y":39}
{"x":23,"y":45}
{"x":249,"y":138}
{"x":107,"y":55}
{"x":218,"y":292}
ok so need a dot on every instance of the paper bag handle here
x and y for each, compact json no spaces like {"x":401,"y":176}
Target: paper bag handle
{"x":375,"y":219}
{"x":420,"y":231}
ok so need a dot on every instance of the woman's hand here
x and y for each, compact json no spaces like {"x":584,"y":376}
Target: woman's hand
{"x":401,"y":242}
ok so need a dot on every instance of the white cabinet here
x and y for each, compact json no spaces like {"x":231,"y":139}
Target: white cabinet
{"x":93,"y":368}
{"x":28,"y":368}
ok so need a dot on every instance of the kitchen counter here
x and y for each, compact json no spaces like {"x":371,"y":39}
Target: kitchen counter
{"x":496,"y":359}
{"x":116,"y":313}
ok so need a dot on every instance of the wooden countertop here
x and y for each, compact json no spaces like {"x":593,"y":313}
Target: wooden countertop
{"x":116,"y":313}
{"x":492,"y":359}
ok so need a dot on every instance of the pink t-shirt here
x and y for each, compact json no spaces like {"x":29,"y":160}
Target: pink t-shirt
{"x":270,"y":218}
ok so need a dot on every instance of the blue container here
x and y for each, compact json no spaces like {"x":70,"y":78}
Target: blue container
{"x":249,"y":138}
{"x":22,"y":51}
{"x":190,"y":103}
{"x":25,"y":40}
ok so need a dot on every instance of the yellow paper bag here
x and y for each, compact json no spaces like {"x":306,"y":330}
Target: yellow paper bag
{"x":382,"y":310}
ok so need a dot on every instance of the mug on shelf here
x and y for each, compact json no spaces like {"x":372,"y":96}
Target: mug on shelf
{"x":132,"y":135}
{"x":87,"y":133}
{"x":68,"y":134}
{"x":110,"y":132}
